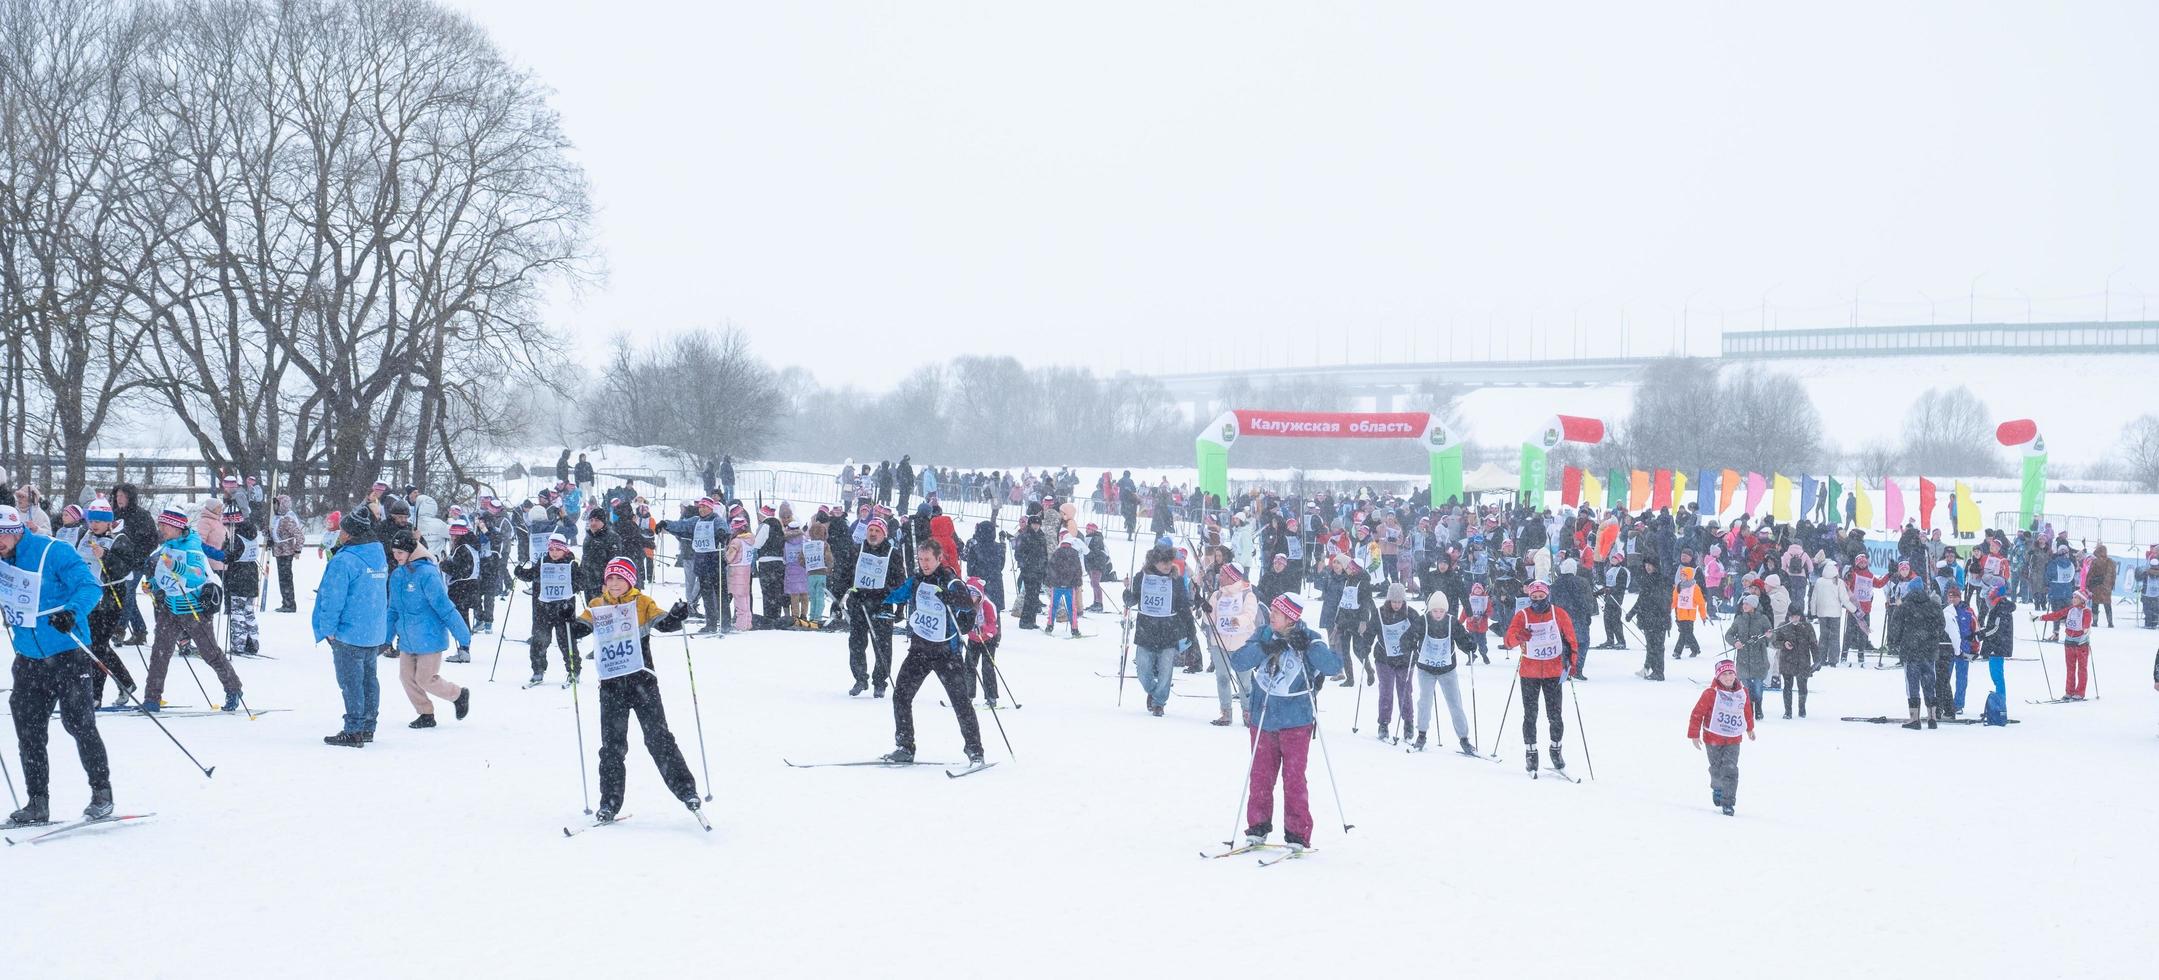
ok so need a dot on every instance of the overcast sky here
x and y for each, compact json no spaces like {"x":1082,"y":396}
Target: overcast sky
{"x":867,"y":187}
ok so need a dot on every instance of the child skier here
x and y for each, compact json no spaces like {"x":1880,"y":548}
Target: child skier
{"x":635,"y":690}
{"x":939,"y":611}
{"x":243,"y":583}
{"x":982,"y":645}
{"x":556,"y":579}
{"x":2076,"y":624}
{"x":1287,"y":663}
{"x":1477,"y":619}
{"x":1720,"y":716}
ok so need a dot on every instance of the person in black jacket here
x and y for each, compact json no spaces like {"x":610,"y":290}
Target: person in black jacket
{"x":1163,"y":623}
{"x":551,"y":616}
{"x":1571,"y":591}
{"x":985,"y":557}
{"x":461,"y":575}
{"x":1653,"y":613}
{"x":1997,"y":634}
{"x":1280,"y":578}
{"x":875,"y":573}
{"x":1612,"y":592}
{"x":939,"y":612}
{"x":903,"y":478}
{"x":243,"y":582}
{"x":600,"y":547}
{"x":1030,"y":551}
{"x":133,"y":522}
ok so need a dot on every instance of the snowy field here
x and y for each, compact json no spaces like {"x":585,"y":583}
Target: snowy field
{"x":1858,"y":849}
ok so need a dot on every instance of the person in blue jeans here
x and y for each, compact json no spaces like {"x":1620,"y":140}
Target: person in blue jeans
{"x":1163,"y":623}
{"x":352,"y":612}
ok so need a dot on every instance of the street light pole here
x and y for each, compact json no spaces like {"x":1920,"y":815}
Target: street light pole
{"x":1855,"y":298}
{"x":1971,"y":300}
{"x":2106,"y":305}
{"x":1765,"y":305}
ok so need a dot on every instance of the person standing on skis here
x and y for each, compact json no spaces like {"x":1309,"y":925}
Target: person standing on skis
{"x":939,"y":612}
{"x":51,"y":635}
{"x":1545,"y":635}
{"x":1287,"y":663}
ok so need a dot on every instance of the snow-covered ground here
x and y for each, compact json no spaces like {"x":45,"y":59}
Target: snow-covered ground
{"x":1859,"y":849}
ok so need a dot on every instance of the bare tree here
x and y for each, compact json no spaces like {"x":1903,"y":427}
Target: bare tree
{"x":2140,"y":451}
{"x":1946,"y":431}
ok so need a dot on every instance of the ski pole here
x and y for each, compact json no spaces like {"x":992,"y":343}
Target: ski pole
{"x":507,"y":612}
{"x":696,"y":711}
{"x":1506,"y":706}
{"x":584,"y":789}
{"x":1124,"y":626}
{"x":1584,"y":729}
{"x":993,"y":707}
{"x":1002,"y":684}
{"x":1311,"y":694}
{"x":1473,"y":723}
{"x":207,"y":771}
{"x":2040,"y":647}
{"x":1244,"y":791}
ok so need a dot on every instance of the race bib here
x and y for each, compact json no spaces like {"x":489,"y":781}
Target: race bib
{"x":1544,"y":642}
{"x":813,"y":556}
{"x":1227,"y":610}
{"x":1728,"y":717}
{"x":1350,"y":597}
{"x":1478,"y":604}
{"x":1437,"y":652}
{"x":538,"y":540}
{"x":1862,"y":589}
{"x":1283,"y":680}
{"x":248,"y":550}
{"x":168,"y":581}
{"x":614,"y":631}
{"x":927,"y":619}
{"x":870,"y":570}
{"x":19,"y":594}
{"x":1392,"y":634}
{"x":1686,"y":598}
{"x":1295,"y":548}
{"x":1154,"y":596}
{"x":704,"y":537}
{"x":554,"y":581}
{"x":1995,"y":566}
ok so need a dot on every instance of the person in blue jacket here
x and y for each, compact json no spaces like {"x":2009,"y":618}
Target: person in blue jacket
{"x":422,"y":621}
{"x":1287,"y":662}
{"x":189,"y":594}
{"x":53,"y":666}
{"x":352,"y":613}
{"x":2061,"y":581}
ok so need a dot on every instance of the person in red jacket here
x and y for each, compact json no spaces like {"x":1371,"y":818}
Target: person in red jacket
{"x":1720,"y":716}
{"x":1862,"y":581}
{"x":1545,"y":635}
{"x":2076,"y":620}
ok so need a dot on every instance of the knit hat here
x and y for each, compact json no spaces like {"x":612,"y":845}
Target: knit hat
{"x":877,"y":524}
{"x":382,"y":487}
{"x":1727,"y":666}
{"x":974,"y":586}
{"x":1567,"y":566}
{"x":11,"y":520}
{"x":459,"y":525}
{"x":1230,"y":573}
{"x":1539,"y":588}
{"x":356,"y":522}
{"x":708,"y":502}
{"x":100,"y":510}
{"x":1288,"y":606}
{"x":1281,"y":561}
{"x":71,"y":511}
{"x":621,"y":568}
{"x":1436,"y":604}
{"x":173,"y":517}
{"x":1396,"y":593}
{"x":1092,"y":528}
{"x":557,"y":540}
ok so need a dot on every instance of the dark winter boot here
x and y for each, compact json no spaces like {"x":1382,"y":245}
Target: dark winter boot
{"x":538,"y":677}
{"x":463,"y":703}
{"x":901,"y":756}
{"x":1558,"y":762}
{"x":860,"y":686}
{"x":35,"y":812}
{"x":100,"y":806}
{"x":424,"y":721}
{"x":606,"y":812}
{"x":1256,"y":834}
{"x":1419,"y":743}
{"x":1914,"y":723}
{"x":1931,"y":716}
{"x":232,"y":701}
{"x":1802,"y":704}
{"x":1531,"y":752}
{"x":1295,"y":841}
{"x":348,"y":740}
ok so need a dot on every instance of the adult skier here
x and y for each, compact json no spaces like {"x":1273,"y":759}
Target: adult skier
{"x":1163,"y":628}
{"x":49,"y":599}
{"x":1432,"y":641}
{"x":939,"y":612}
{"x":1545,"y":635}
{"x":876,"y":574}
{"x":180,"y":572}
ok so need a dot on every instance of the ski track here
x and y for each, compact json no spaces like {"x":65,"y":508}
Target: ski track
{"x":446,"y":845}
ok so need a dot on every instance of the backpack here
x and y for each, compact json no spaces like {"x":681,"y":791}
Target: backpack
{"x":1997,"y":710}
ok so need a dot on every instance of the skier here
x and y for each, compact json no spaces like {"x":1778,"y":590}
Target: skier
{"x":352,"y":614}
{"x":876,"y":574}
{"x":109,"y":555}
{"x":556,"y":580}
{"x":982,"y":645}
{"x":1432,"y":642}
{"x":52,"y":663}
{"x":1233,"y":613}
{"x":1393,"y":654}
{"x":1861,"y":583}
{"x":1163,"y":626}
{"x":1545,"y":635}
{"x":461,"y":574}
{"x":1030,"y":553}
{"x":1613,"y":591}
{"x":1720,"y":715}
{"x":1287,"y":663}
{"x":1653,"y":613}
{"x":181,"y":572}
{"x":422,"y":621}
{"x":1350,"y":629}
{"x":243,"y":582}
{"x":635,"y":689}
{"x":939,"y":611}
{"x":1997,"y":642}
{"x":2075,"y":618}
{"x":1829,"y":602}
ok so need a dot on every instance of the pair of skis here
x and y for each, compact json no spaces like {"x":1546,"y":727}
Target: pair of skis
{"x":69,"y":828}
{"x":620,"y":817}
{"x":1288,"y":853}
{"x":967,"y":770}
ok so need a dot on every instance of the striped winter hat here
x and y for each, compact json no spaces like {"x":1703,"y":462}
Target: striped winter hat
{"x":10,"y":520}
{"x":459,"y":525}
{"x":100,"y":510}
{"x":173,"y":517}
{"x":621,"y":568}
{"x":1287,"y":607}
{"x":71,"y":510}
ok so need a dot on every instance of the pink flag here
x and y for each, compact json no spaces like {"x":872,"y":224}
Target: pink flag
{"x":1892,"y":504}
{"x":1756,"y":486}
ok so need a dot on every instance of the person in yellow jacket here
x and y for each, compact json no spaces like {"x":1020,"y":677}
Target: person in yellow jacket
{"x":636,"y":690}
{"x":1688,"y":606}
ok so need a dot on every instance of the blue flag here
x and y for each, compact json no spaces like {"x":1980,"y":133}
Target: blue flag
{"x":1705,"y":490}
{"x":1807,"y":488}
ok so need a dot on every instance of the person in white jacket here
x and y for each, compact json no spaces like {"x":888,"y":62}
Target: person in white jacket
{"x":1828,"y":602}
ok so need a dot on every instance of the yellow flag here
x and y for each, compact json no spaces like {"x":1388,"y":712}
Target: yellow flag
{"x":1592,"y":490}
{"x":1967,"y":509}
{"x":1864,"y":505}
{"x":1780,"y":497}
{"x":1679,"y":488}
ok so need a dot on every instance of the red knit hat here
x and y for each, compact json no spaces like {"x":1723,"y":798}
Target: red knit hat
{"x":621,"y":568}
{"x":1288,"y":607}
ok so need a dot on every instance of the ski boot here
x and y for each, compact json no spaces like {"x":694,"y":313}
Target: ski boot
{"x":539,"y":677}
{"x":1727,"y":811}
{"x":902,"y":756}
{"x":1531,"y":753}
{"x":990,"y":703}
{"x":1295,"y":841}
{"x":33,"y":813}
{"x":1419,"y":743}
{"x":1384,"y":731}
{"x":100,"y":806}
{"x":1407,"y":731}
{"x":1558,"y":762}
{"x":232,"y":701}
{"x":878,"y":692}
{"x":1256,"y":835}
{"x":606,"y":812}
{"x":1467,"y":748}
{"x":974,"y":758}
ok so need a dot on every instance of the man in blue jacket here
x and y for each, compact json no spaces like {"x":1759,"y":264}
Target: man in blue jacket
{"x":352,"y":611}
{"x":48,"y":593}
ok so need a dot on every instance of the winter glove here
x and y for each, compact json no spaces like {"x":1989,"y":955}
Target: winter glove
{"x":525,"y":572}
{"x":673,"y":620}
{"x":212,"y":596}
{"x":579,"y":629}
{"x":64,"y":620}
